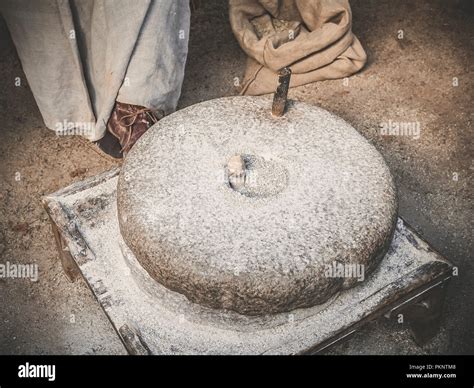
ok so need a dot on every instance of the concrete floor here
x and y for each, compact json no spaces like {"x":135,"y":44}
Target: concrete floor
{"x":409,"y":80}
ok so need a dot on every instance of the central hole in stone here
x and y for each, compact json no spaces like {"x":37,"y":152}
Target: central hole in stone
{"x":256,"y":177}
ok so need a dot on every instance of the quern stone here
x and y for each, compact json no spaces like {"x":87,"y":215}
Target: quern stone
{"x":316,"y":196}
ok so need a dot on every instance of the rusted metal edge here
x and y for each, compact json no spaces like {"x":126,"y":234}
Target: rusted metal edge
{"x":68,"y":229}
{"x":133,"y":341}
{"x":67,"y":261}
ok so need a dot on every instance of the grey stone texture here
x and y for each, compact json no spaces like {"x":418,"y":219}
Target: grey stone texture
{"x":316,"y":193}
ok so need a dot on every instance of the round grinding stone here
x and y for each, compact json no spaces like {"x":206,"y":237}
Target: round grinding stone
{"x":315,"y":197}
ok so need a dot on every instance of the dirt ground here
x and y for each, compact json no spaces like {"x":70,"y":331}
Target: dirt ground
{"x":406,"y":80}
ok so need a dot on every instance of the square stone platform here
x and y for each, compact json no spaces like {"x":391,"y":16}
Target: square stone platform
{"x":151,"y":319}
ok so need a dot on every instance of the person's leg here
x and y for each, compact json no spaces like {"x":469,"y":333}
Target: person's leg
{"x":152,"y":83}
{"x":156,"y":70}
{"x":44,"y":36}
{"x":134,"y":57}
{"x":107,"y":34}
{"x":82,"y":56}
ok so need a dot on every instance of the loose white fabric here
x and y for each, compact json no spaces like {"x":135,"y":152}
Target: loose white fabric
{"x":80,"y":56}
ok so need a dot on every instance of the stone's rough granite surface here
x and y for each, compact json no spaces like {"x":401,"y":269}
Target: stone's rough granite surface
{"x":317,"y":193}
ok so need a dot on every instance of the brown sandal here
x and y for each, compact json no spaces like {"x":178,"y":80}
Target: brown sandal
{"x":129,"y":122}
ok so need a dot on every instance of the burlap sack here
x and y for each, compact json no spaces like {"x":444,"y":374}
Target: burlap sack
{"x":313,"y":37}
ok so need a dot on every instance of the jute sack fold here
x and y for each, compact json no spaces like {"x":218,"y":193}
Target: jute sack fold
{"x":313,"y":37}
